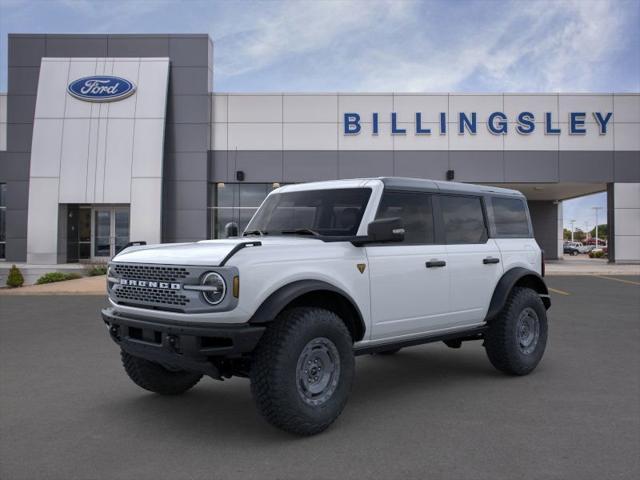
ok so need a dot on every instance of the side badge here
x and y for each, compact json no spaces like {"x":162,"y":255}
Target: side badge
{"x":361,"y":267}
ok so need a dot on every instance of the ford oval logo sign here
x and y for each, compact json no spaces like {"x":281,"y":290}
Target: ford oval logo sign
{"x":101,"y":88}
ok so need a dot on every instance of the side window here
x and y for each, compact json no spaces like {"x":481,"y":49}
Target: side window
{"x":463,"y":219}
{"x":510,"y":217}
{"x":414,"y":209}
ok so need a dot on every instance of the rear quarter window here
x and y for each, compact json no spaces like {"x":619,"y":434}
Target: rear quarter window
{"x":509,"y":217}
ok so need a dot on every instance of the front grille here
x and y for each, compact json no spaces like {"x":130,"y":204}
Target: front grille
{"x":157,"y":296}
{"x":152,"y":272}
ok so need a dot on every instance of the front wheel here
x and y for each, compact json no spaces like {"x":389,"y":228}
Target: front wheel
{"x":156,"y":378}
{"x":302,"y":370}
{"x":517,"y":338}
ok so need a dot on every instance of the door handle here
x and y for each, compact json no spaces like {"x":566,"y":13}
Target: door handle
{"x":490,"y":260}
{"x":436,"y":263}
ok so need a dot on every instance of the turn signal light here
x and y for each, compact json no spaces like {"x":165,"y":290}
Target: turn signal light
{"x":236,"y":286}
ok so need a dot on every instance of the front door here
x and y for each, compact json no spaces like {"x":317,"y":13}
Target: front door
{"x":110,"y":231}
{"x":409,"y":280}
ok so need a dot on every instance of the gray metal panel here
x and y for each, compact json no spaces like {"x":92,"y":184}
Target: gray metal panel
{"x":138,"y":46}
{"x":626,"y":166}
{"x":185,"y":166}
{"x":15,"y":166}
{"x":257,"y":165}
{"x":76,"y":46}
{"x":16,"y":223}
{"x":16,"y":249}
{"x":218,"y":166}
{"x":189,"y":51}
{"x":22,"y":108}
{"x":544,"y":217}
{"x":17,"y":195}
{"x":359,"y":163}
{"x":187,"y":137}
{"x":477,"y":165}
{"x":185,"y":195}
{"x":23,"y":80}
{"x":422,"y":164}
{"x":188,"y":80}
{"x":188,"y":109}
{"x":186,"y":225}
{"x":531,"y":166}
{"x":305,"y":166}
{"x":611,"y":223}
{"x":586,"y":166}
{"x":26,"y":50}
{"x":19,"y":137}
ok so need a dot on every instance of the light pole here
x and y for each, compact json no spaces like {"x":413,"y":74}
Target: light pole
{"x":596,"y":209}
{"x":572,"y":222}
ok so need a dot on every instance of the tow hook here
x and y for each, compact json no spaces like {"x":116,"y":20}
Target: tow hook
{"x":172,"y":340}
{"x":114,"y":331}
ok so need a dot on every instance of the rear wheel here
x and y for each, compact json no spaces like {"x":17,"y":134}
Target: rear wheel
{"x":302,"y":370}
{"x":156,"y":378}
{"x":517,"y":338}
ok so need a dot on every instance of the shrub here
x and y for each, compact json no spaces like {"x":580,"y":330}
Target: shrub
{"x":15,"y":278}
{"x":52,"y":277}
{"x":97,"y":270}
{"x":596,"y":254}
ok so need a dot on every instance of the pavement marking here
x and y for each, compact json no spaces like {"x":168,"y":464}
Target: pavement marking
{"x":560,"y":292}
{"x":631,"y":282}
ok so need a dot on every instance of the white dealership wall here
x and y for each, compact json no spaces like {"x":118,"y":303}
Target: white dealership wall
{"x":96,"y":153}
{"x":300,"y":137}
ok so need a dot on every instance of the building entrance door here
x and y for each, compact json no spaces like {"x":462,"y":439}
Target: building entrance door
{"x":110,"y":232}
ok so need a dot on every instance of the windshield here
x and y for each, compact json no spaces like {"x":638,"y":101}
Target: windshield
{"x":335,"y":212}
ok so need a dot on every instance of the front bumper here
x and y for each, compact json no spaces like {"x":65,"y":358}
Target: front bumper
{"x":181,"y":346}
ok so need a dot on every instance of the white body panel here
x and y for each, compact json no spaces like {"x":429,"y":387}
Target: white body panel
{"x":472,"y":282}
{"x":406,"y":296}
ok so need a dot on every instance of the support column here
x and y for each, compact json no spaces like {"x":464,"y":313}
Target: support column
{"x":546,"y":217}
{"x":623,"y":208}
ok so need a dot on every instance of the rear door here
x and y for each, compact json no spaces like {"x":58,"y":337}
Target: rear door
{"x":474,"y":261}
{"x":409,"y":280}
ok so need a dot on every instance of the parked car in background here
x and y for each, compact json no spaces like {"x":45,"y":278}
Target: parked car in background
{"x":577,"y":246}
{"x":569,"y":248}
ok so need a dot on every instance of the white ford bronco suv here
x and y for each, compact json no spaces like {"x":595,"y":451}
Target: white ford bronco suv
{"x":324,"y":272}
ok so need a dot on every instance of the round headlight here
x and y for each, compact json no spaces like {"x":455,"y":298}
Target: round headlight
{"x":215,"y":288}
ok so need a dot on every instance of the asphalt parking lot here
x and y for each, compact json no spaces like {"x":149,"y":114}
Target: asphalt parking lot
{"x":68,"y":411}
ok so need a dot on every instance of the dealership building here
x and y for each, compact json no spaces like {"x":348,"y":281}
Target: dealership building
{"x":107,"y":139}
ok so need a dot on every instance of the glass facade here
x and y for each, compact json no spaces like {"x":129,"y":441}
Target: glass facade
{"x":235,"y":202}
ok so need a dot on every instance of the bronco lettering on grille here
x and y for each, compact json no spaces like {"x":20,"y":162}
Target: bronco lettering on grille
{"x":150,"y":284}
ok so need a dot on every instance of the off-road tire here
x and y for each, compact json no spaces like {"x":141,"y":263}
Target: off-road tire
{"x":155,"y":378}
{"x":502,"y":341}
{"x":275,"y":382}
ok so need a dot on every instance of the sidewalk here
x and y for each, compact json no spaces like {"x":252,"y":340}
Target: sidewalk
{"x":583,"y":265}
{"x":81,"y":286}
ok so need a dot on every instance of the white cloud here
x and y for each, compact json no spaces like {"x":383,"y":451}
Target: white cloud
{"x":532,"y":46}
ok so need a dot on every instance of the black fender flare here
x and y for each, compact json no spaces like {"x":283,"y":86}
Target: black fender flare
{"x":278,"y":300}
{"x":510,"y":279}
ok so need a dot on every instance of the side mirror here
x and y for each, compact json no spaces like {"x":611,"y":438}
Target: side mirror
{"x":231,"y":230}
{"x":382,"y":230}
{"x":386,"y":230}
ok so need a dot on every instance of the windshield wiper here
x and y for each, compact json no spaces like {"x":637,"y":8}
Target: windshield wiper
{"x":254,"y":232}
{"x":301,"y":231}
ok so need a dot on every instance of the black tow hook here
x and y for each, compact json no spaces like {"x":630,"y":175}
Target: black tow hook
{"x":114,"y":331}
{"x":172,"y":340}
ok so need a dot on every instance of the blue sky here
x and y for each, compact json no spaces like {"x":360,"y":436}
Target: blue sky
{"x":371,"y":45}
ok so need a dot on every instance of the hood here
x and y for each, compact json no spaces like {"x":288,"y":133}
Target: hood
{"x":206,"y":252}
